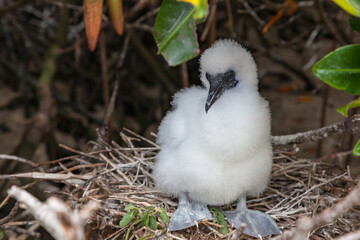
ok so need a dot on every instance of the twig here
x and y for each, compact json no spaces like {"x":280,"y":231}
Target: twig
{"x":19,"y":159}
{"x":10,"y":216}
{"x":111,"y":106}
{"x":211,"y":18}
{"x":252,"y":12}
{"x":239,"y":231}
{"x":55,"y":216}
{"x":104,"y":73}
{"x":305,"y":225}
{"x":185,"y":75}
{"x":348,"y":124}
{"x":50,"y":176}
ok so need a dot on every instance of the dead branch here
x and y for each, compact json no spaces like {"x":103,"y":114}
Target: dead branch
{"x":49,"y":176}
{"x":349,"y":124}
{"x":55,"y":216}
{"x":305,"y":224}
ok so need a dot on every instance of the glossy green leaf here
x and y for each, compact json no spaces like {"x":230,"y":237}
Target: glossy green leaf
{"x":356,"y":150}
{"x":341,"y":69}
{"x":219,"y":218}
{"x":128,"y":217}
{"x":175,"y":32}
{"x":351,"y":6}
{"x":153,"y":223}
{"x":355,"y":24}
{"x":344,"y":109}
{"x":163,"y":216}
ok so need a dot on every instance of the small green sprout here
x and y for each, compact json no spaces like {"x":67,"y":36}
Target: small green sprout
{"x":219,"y":218}
{"x":147,"y":217}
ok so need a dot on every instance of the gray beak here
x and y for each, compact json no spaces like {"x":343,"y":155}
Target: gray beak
{"x":219,"y":83}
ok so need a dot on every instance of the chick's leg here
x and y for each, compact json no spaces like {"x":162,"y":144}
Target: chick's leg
{"x":257,"y":223}
{"x":188,"y":214}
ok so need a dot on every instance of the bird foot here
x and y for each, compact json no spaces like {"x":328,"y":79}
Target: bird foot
{"x":257,"y":223}
{"x":187,"y":215}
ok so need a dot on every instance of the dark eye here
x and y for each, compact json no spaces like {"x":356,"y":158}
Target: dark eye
{"x":230,"y":74}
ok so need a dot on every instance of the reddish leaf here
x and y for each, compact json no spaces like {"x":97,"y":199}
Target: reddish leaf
{"x":116,"y":15}
{"x":92,"y":18}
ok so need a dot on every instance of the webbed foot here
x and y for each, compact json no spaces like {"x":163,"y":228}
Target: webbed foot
{"x":257,"y":223}
{"x":188,"y":214}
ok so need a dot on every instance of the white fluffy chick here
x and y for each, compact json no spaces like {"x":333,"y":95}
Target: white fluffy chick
{"x":215,"y":143}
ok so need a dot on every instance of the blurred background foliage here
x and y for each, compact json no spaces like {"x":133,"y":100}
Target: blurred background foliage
{"x":55,"y":90}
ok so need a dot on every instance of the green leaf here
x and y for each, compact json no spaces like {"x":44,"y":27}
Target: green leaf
{"x":344,"y":109}
{"x":128,"y":217}
{"x":1,"y":235}
{"x":351,"y":6}
{"x":163,"y":216}
{"x":202,"y":9}
{"x":219,"y":218}
{"x":341,"y":68}
{"x":355,"y":24}
{"x":129,"y":207}
{"x":356,"y":150}
{"x":153,"y":223}
{"x":145,"y":219}
{"x":150,"y":208}
{"x":175,"y":32}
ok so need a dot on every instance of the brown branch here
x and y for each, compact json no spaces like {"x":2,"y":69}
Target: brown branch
{"x":305,"y":224}
{"x":49,"y":176}
{"x":348,"y":124}
{"x":55,"y":216}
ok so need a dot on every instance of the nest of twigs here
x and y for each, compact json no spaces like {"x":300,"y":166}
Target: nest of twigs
{"x":116,"y":175}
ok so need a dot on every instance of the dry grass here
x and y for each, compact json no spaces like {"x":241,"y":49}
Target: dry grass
{"x":122,"y":174}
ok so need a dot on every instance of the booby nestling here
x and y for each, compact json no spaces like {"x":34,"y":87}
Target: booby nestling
{"x":215,"y":143}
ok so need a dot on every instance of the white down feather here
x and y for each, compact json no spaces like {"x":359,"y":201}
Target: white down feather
{"x":216,"y":156}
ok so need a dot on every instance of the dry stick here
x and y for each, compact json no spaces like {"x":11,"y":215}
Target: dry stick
{"x":305,"y":225}
{"x":10,"y":215}
{"x":348,"y":124}
{"x":185,"y":75}
{"x":55,"y":216}
{"x":19,"y":159}
{"x":126,"y":179}
{"x":111,"y":106}
{"x":252,"y":12}
{"x":209,"y":21}
{"x":105,"y":79}
{"x":212,"y":33}
{"x":238,"y":232}
{"x":230,"y":18}
{"x":41,"y":175}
